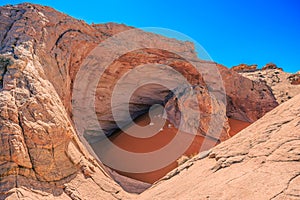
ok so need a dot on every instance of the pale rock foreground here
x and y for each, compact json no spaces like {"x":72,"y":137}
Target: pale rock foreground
{"x":260,"y":162}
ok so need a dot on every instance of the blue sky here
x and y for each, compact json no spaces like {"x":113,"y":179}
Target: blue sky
{"x":232,"y":31}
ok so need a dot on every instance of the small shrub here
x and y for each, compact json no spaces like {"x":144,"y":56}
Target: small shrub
{"x":5,"y":62}
{"x":182,"y":160}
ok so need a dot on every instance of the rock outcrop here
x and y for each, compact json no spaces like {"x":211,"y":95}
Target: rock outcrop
{"x":271,"y":66}
{"x":246,"y":100}
{"x":244,"y":68}
{"x":42,"y":50}
{"x":294,"y":79}
{"x":284,"y":85}
{"x":41,"y":155}
{"x":260,"y":162}
{"x":184,"y":111}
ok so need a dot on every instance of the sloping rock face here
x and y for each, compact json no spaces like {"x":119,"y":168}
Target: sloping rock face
{"x":58,"y":41}
{"x":41,"y":53}
{"x":39,"y":147}
{"x":40,"y":155}
{"x":246,"y":100}
{"x":260,"y":162}
{"x":284,"y":85}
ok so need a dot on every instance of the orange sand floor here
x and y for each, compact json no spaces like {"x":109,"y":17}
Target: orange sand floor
{"x":162,"y":138}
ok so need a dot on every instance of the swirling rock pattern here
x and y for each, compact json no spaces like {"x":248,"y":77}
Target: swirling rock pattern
{"x":41,"y":51}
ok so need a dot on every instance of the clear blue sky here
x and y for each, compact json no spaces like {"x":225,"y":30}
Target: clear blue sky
{"x":232,"y":31}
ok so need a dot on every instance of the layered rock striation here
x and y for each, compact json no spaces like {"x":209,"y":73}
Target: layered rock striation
{"x":42,"y":51}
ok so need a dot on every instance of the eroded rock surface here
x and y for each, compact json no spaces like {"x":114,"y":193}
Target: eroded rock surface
{"x":260,"y":162}
{"x":246,"y":100}
{"x":41,"y":156}
{"x":184,"y":111}
{"x":271,"y":66}
{"x":284,"y":85}
{"x":244,"y":68}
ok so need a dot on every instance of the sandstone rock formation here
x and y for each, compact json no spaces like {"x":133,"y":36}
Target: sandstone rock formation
{"x":41,"y":155}
{"x":40,"y":150}
{"x":284,"y":85}
{"x":183,"y":109}
{"x":271,"y":66}
{"x":246,"y":100}
{"x":295,"y":79}
{"x":244,"y":68}
{"x":260,"y":162}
